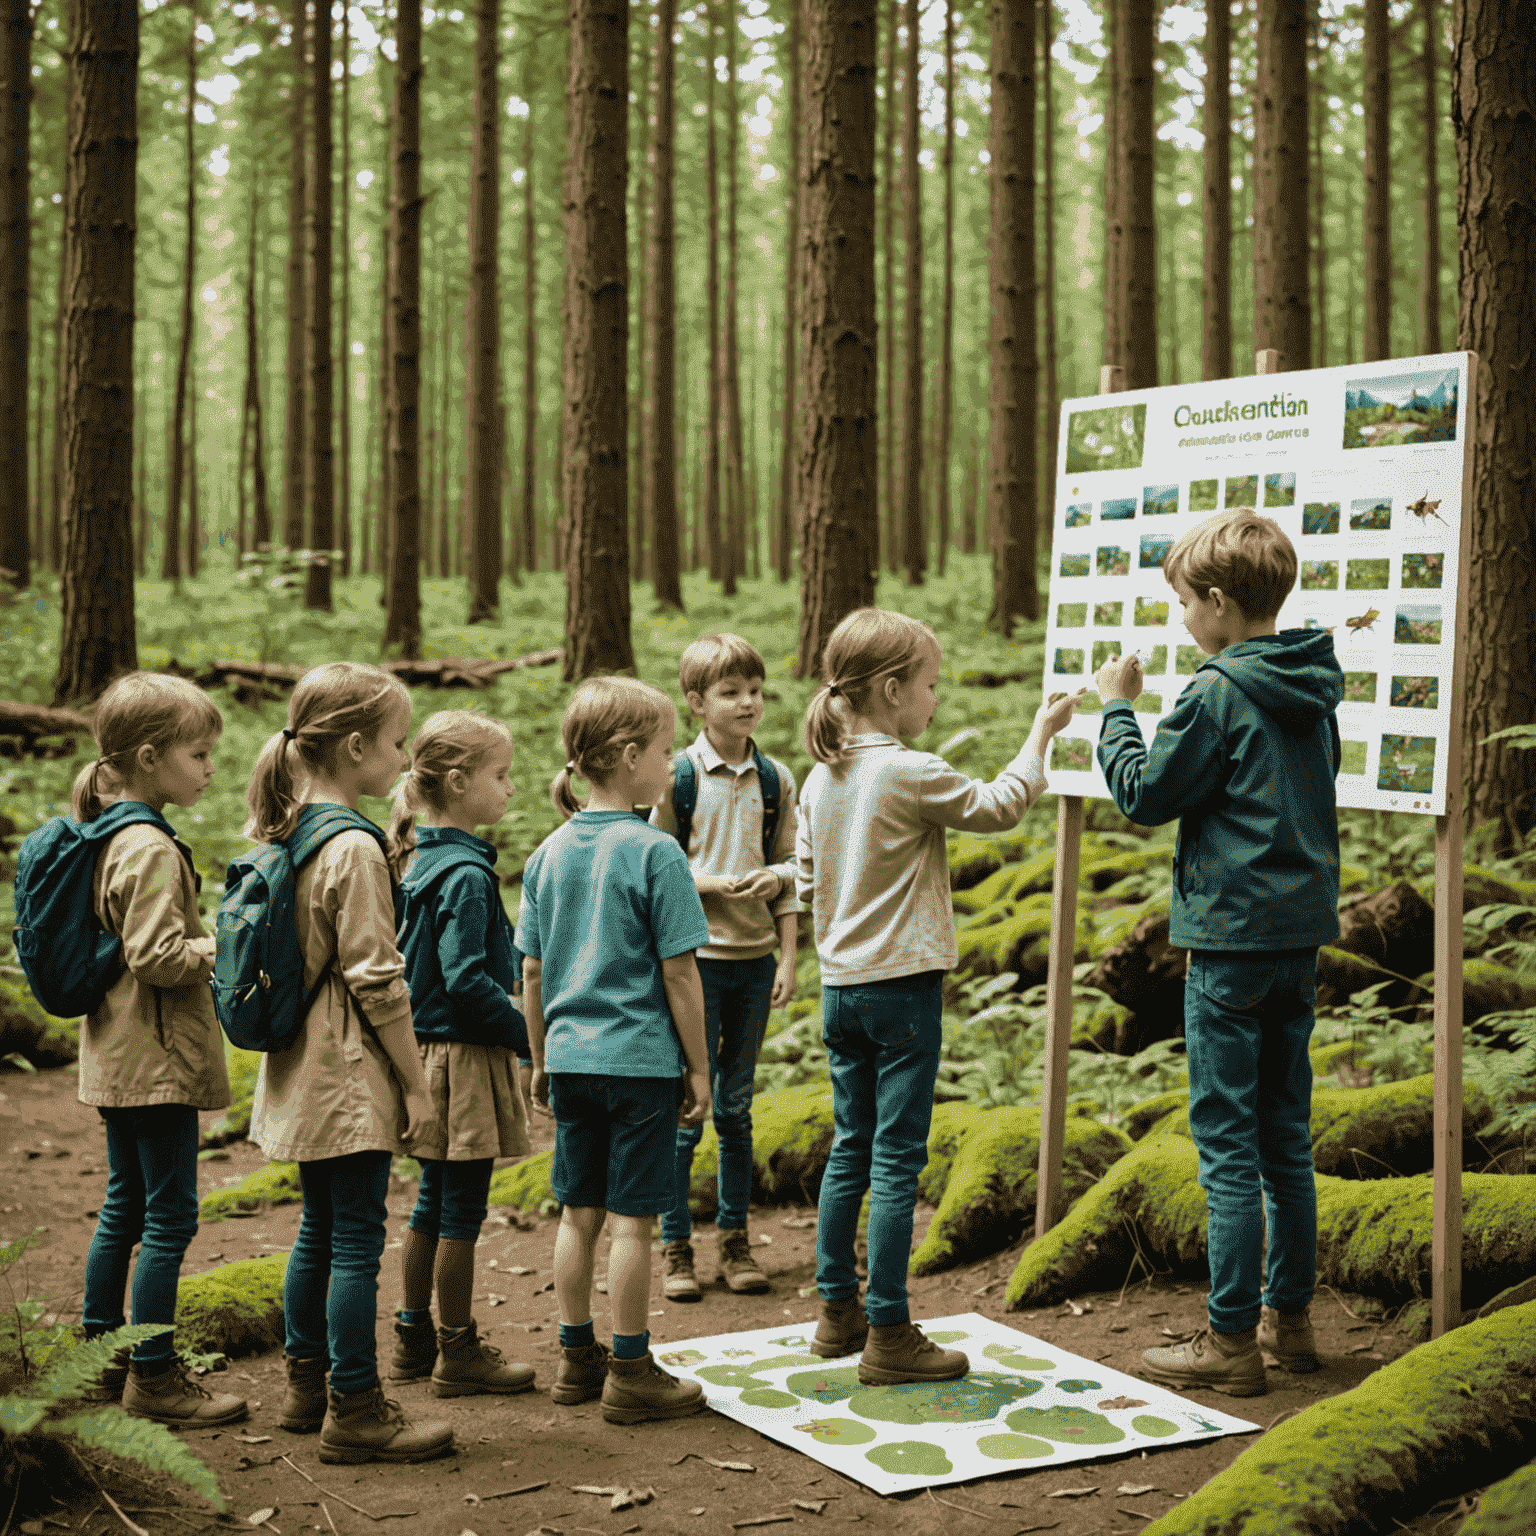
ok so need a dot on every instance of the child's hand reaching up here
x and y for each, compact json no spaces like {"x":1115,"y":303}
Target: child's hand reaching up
{"x":1120,"y":678}
{"x":696,"y":1106}
{"x":1056,"y":712}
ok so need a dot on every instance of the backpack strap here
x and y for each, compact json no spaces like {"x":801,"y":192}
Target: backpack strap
{"x":772,"y":791}
{"x":685,"y":796}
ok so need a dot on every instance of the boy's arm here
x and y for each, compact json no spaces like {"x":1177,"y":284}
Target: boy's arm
{"x":533,"y":1014}
{"x":685,"y":1000}
{"x":783,"y":851}
{"x":662,"y":816}
{"x":1181,"y":771}
{"x":784,"y":972}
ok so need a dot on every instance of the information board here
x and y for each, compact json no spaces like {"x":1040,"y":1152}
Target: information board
{"x":1362,"y":467}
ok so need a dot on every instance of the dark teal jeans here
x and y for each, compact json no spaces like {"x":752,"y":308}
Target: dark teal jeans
{"x":1248,"y":1017}
{"x":882,"y":1044}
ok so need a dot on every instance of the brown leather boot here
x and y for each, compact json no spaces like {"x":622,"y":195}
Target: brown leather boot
{"x":905,"y":1353}
{"x":841,"y":1330}
{"x":737,"y":1268}
{"x":638,"y":1390}
{"x":415,"y":1351}
{"x":467,"y":1366}
{"x":367,"y":1426}
{"x":168,"y":1395}
{"x":303,"y":1409}
{"x":581,"y":1374}
{"x":1288,"y":1338}
{"x":678,"y":1281}
{"x":1224,"y":1362}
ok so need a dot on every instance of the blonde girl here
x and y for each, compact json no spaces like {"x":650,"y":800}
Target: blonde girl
{"x":349,"y":1093}
{"x":609,"y":923}
{"x":462,"y":969}
{"x":151,"y":1054}
{"x":872,"y":866}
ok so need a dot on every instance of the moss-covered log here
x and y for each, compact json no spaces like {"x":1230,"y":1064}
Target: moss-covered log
{"x":276,"y":1184}
{"x":1486,"y":987}
{"x":1507,"y":1509}
{"x":235,"y":1123}
{"x":1141,"y":970}
{"x":28,"y":1031}
{"x":1015,"y":936}
{"x":1446,"y":1417}
{"x":236,"y":1308}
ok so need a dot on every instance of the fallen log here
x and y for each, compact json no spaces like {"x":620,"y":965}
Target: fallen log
{"x":37,"y":720}
{"x":436,"y":672}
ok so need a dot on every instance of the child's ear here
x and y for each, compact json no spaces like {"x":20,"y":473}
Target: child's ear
{"x":145,"y":757}
{"x":695,"y":701}
{"x":455,"y":781}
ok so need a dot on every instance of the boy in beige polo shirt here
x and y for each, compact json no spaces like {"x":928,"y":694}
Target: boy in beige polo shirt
{"x":737,"y":828}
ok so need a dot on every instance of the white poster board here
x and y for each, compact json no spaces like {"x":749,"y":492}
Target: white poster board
{"x":1362,"y":467}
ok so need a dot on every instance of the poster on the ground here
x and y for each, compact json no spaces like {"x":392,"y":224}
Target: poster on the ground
{"x":1024,"y":1404}
{"x":1361,"y":466}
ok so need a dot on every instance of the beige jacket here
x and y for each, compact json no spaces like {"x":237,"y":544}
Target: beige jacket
{"x":155,"y":1038}
{"x":333,"y":1091}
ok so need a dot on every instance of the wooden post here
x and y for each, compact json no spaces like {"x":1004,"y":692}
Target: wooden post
{"x":1268,"y":360}
{"x":1445,"y":1253}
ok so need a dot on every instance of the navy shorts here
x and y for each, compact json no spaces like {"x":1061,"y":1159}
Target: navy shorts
{"x":615,"y":1141}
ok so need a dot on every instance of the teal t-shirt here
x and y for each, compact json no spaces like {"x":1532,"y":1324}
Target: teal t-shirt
{"x":606,"y":899}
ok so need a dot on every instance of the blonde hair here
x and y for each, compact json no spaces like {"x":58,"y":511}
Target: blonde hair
{"x":1247,"y":556}
{"x":870,"y":645}
{"x":712,"y":657}
{"x":604,"y":716}
{"x":451,"y":739}
{"x":329,"y":703}
{"x":142,"y":709}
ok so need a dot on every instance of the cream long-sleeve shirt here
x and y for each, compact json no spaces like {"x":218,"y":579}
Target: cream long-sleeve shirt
{"x":870,"y":856}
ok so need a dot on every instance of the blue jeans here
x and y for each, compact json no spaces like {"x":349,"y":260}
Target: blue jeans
{"x":451,"y":1201}
{"x":151,"y":1199}
{"x":1247,"y":1022}
{"x":882,"y":1044}
{"x":331,"y":1290}
{"x":736,"y":998}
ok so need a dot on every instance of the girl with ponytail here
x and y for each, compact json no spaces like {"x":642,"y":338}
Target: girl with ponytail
{"x":871,"y":864}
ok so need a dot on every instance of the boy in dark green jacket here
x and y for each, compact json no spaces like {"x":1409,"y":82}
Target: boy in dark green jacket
{"x":1246,"y":760}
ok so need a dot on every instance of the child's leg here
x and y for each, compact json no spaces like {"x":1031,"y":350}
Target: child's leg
{"x":851,"y":1061}
{"x":119,"y":1226}
{"x":359,"y":1185}
{"x":629,"y":1279}
{"x":418,"y":1255}
{"x":676,"y":1218}
{"x":167,"y":1138}
{"x":742,"y":1021}
{"x":307,"y":1280}
{"x":578,"y":1179}
{"x":465,"y":1186}
{"x":575,"y":1249}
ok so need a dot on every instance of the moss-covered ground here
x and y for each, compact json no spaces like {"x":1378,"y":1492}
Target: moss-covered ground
{"x":275,"y":1184}
{"x":236,"y":1309}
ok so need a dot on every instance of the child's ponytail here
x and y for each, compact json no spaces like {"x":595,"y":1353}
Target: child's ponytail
{"x":562,"y":794}
{"x":400,"y":838}
{"x":272,"y":795}
{"x":604,"y":716}
{"x":825,"y":729}
{"x":451,"y":739}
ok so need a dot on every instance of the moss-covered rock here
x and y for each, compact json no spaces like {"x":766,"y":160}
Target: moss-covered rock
{"x":1442,"y":1419}
{"x":236,"y":1308}
{"x":1098,"y":874}
{"x":1507,"y":1509}
{"x":235,"y":1123}
{"x":525,"y":1184}
{"x":1486,"y":987}
{"x":29,"y":1031}
{"x":950,"y":1125}
{"x":989,"y":1194}
{"x":1481,"y":887}
{"x":1336,"y":1057}
{"x":1014,"y":936}
{"x":276,"y":1184}
{"x":1153,"y":1113}
{"x":1109,"y":1027}
{"x":1141,"y":970}
{"x":1341,"y":974}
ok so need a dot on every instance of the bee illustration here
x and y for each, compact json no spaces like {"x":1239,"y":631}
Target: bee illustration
{"x":1366,"y":620}
{"x":1424,"y":509}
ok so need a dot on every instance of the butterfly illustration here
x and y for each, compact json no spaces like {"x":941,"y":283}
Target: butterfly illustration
{"x":1366,"y":620}
{"x":1424,"y":509}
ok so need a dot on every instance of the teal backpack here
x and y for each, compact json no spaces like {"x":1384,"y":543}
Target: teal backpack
{"x":258,"y":968}
{"x":685,"y":797}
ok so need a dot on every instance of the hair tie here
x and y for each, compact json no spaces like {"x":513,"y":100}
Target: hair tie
{"x":832,"y":690}
{"x":570,"y":767}
{"x":290,"y":735}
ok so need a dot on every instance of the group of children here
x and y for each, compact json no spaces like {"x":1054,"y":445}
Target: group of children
{"x":646,"y":952}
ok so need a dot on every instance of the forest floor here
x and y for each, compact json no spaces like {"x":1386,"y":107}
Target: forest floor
{"x":52,"y":1154}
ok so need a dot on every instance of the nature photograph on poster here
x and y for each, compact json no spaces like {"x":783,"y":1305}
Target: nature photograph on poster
{"x":1423,"y":570}
{"x":1109,"y":437}
{"x":1319,"y":575}
{"x":1407,"y":763}
{"x":1242,"y":491}
{"x":1417,"y":624}
{"x":1359,"y":687}
{"x":1114,"y":561}
{"x":1150,"y":612}
{"x":1400,"y":408}
{"x":1120,"y":510}
{"x":1353,"y":755}
{"x":1071,"y":615}
{"x":1071,"y":753}
{"x":1079,"y":514}
{"x":1280,"y":489}
{"x":1108,"y":615}
{"x":1160,"y":500}
{"x":1370,"y":514}
{"x":1074,"y":565}
{"x":1319,"y":517}
{"x":1154,"y":550}
{"x":1069,"y":661}
{"x":1104,"y":650}
{"x":1202,"y":495}
{"x":1367,"y":575}
{"x":1416,"y":692}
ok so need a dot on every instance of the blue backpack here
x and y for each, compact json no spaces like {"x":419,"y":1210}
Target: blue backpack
{"x":685,"y":796}
{"x":258,"y":968}
{"x":70,"y":960}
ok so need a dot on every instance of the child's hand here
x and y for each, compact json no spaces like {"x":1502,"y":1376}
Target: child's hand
{"x":1056,"y":712}
{"x":760,"y":885}
{"x":420,"y":1118}
{"x":538,"y":1089}
{"x":696,"y":1106}
{"x":783,"y":984}
{"x":1120,"y":678}
{"x":525,"y":1082}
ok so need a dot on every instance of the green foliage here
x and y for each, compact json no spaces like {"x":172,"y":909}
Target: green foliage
{"x":236,"y":1309}
{"x":151,"y":1445}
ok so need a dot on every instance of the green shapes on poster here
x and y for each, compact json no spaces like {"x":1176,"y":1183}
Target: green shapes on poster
{"x":952,"y":1337}
{"x":1077,"y":1384}
{"x":680,"y":1356}
{"x":825,"y":1386}
{"x":1012,"y":1447}
{"x":838,"y":1431}
{"x":1006,"y":1354}
{"x":1071,"y":1426}
{"x":749,"y":1376}
{"x":769,"y":1397}
{"x":1149,"y":1424}
{"x":981,"y":1395}
{"x":911,"y":1458}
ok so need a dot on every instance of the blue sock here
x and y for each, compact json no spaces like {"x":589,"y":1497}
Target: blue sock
{"x":415,"y":1319}
{"x":631,"y":1346}
{"x":576,"y":1335}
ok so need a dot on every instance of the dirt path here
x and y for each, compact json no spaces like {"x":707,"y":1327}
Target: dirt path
{"x":505,"y":1444}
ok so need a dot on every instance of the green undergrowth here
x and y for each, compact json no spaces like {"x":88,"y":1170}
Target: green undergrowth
{"x":1444,"y":1418}
{"x":235,"y":1309}
{"x":275,"y":1184}
{"x":30,"y":1034}
{"x":235,"y":1123}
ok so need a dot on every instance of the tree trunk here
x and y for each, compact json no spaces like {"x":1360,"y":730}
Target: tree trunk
{"x":914,"y":532}
{"x":839,"y":478}
{"x":1493,"y":64}
{"x":638,"y":479}
{"x":429,"y":419}
{"x":322,"y":377}
{"x":141,"y":546}
{"x":1216,"y":123}
{"x":890,"y":498}
{"x":970,"y":491}
{"x":595,"y":455}
{"x":1135,"y":32}
{"x":1048,"y":224}
{"x":403,"y":628}
{"x":530,"y":324}
{"x":784,"y":539}
{"x":1113,"y":350}
{"x":170,"y":555}
{"x":36,"y":540}
{"x":483,"y":323}
{"x":386,"y":502}
{"x":261,"y":515}
{"x":734,"y":564}
{"x":1282,"y":312}
{"x":96,"y":641}
{"x":293,"y":422}
{"x":441,"y":501}
{"x":712,"y":529}
{"x":15,"y":282}
{"x":1429,"y":271}
{"x":55,"y":541}
{"x":1319,"y":118}
{"x":1378,"y":181}
{"x":344,"y":343}
{"x":1011,"y":241}
{"x":194,"y":517}
{"x":660,"y":426}
{"x":947,"y":305}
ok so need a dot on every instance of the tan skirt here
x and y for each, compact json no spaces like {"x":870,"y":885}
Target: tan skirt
{"x":480,"y":1109}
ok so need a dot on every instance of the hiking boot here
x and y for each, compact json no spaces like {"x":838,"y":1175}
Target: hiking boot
{"x":905,"y":1353}
{"x":303,"y":1409}
{"x":367,"y":1426}
{"x":679,"y":1282}
{"x":736,"y":1266}
{"x":467,"y":1366}
{"x":1229,"y":1363}
{"x":415,"y":1351}
{"x":580,"y":1375}
{"x":171,"y":1396}
{"x":1287,"y":1338}
{"x":638,"y":1390}
{"x":841,"y":1330}
{"x":114,"y":1377}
